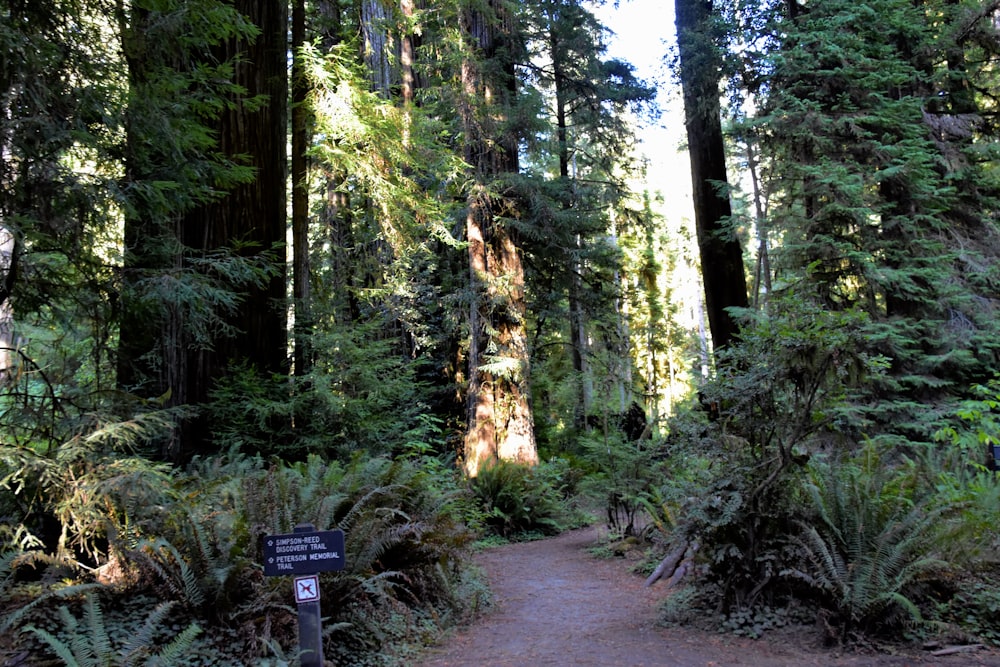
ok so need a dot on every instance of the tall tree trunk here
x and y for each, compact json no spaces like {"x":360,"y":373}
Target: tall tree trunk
{"x":300,"y":196}
{"x":408,"y":44}
{"x":377,"y":45}
{"x":762,"y":270}
{"x":337,"y":218}
{"x":721,"y":255}
{"x":8,"y":272}
{"x":577,"y":323}
{"x":500,"y":424}
{"x":179,"y":240}
{"x":250,"y":213}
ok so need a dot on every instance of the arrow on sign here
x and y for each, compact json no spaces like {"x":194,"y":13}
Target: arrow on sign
{"x":307,"y":589}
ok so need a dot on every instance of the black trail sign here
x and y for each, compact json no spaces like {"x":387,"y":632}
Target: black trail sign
{"x":303,"y":553}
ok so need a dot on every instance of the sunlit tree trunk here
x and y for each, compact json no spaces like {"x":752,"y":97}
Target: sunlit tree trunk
{"x":337,"y":219}
{"x":8,"y":274}
{"x":408,"y":43}
{"x":499,"y":412}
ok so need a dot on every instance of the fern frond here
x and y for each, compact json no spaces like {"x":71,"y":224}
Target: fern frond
{"x":347,"y":521}
{"x":177,"y":648}
{"x":100,"y":642}
{"x":174,"y":571}
{"x":90,"y":648}
{"x":331,"y":628}
{"x":59,"y":647}
{"x":137,"y":645}
{"x":62,"y":593}
{"x":381,"y":583}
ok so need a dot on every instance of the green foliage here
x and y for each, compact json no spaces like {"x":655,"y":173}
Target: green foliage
{"x":754,"y":623}
{"x":516,"y":499}
{"x":403,"y":550}
{"x":875,"y":537}
{"x":779,"y":396}
{"x":972,"y":608}
{"x":873,"y":205}
{"x":92,"y":485}
{"x":625,"y":476}
{"x":361,"y":394}
{"x":959,"y":466}
{"x":979,"y":427}
{"x":681,"y":607}
{"x":87,"y":642}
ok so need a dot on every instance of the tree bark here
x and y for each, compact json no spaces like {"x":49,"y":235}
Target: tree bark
{"x":577,"y":319}
{"x":252,"y":212}
{"x":721,"y":255}
{"x":300,"y":196}
{"x":500,"y":424}
{"x":249,"y":217}
{"x":377,"y":45}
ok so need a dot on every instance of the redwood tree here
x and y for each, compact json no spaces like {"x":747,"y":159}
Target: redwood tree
{"x":499,"y":413}
{"x":721,"y":254}
{"x":204,"y":280}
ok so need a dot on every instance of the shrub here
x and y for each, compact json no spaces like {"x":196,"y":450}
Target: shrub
{"x":623,"y":473}
{"x":872,"y":541}
{"x":779,"y":396}
{"x":517,"y":499}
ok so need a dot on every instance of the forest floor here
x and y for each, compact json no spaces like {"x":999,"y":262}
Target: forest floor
{"x":558,"y":605}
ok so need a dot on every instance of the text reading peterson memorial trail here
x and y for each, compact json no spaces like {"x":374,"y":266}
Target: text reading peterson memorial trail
{"x":556,"y":605}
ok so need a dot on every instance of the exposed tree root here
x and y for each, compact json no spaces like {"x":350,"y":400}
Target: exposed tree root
{"x":677,"y":564}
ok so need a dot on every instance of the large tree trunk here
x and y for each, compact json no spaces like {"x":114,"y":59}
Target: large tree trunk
{"x":249,"y":218}
{"x":577,"y":318}
{"x":721,"y":255}
{"x":500,"y":424}
{"x":253,"y":212}
{"x":377,"y":47}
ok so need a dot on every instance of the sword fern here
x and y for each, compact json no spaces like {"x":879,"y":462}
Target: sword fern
{"x":871,"y":542}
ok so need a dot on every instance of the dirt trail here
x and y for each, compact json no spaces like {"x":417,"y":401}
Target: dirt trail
{"x":556,"y":605}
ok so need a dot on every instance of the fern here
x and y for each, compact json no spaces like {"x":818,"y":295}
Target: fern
{"x":89,"y":644}
{"x":515,"y":500}
{"x":177,"y":648}
{"x":871,"y":543}
{"x":92,"y":483}
{"x":16,"y":617}
{"x":174,"y":571}
{"x":402,"y":543}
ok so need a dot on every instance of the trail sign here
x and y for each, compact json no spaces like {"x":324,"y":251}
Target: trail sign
{"x":306,"y":552}
{"x":307,"y":588}
{"x":303,"y":552}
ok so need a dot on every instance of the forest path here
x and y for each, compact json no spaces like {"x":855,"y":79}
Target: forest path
{"x":557,"y":605}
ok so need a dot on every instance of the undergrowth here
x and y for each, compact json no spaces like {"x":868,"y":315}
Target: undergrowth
{"x":406,"y":577}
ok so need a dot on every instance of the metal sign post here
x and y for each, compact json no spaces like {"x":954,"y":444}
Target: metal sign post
{"x":306,"y":552}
